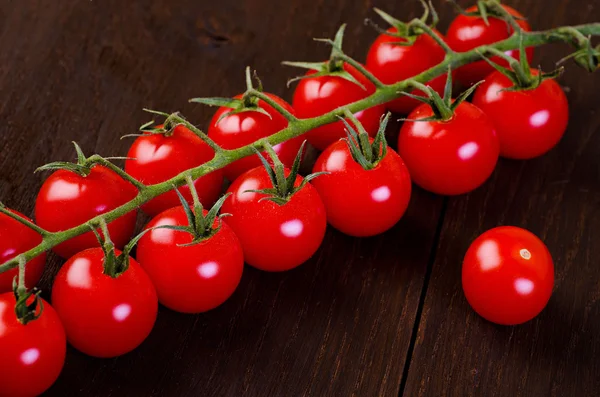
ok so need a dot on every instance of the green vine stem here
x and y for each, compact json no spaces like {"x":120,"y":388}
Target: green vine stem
{"x":297,"y":127}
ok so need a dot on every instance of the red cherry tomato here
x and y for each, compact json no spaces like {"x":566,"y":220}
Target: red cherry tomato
{"x":67,"y":199}
{"x":16,"y":238}
{"x":362,"y":202}
{"x":466,"y":33}
{"x":508,"y":275}
{"x":315,"y":96}
{"x":528,"y":123}
{"x":390,"y":63}
{"x":195,"y":278}
{"x":241,"y":129}
{"x":274,"y":237}
{"x":104,"y":316}
{"x":450,"y":157}
{"x":158,"y":157}
{"x":32,"y":355}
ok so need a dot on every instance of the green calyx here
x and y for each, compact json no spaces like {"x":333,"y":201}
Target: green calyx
{"x":408,"y":32}
{"x":248,"y":102}
{"x":366,"y":153}
{"x":82,"y":167}
{"x":200,"y":226}
{"x":24,"y":311}
{"x":487,"y":9}
{"x":586,"y":55}
{"x":332,"y":67}
{"x":443,"y":107}
{"x":519,"y":72}
{"x":283,"y":187}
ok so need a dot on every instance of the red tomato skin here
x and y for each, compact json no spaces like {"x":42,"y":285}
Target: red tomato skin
{"x":358,"y":202}
{"x":192,"y":279}
{"x":16,"y":238}
{"x":159,"y":158}
{"x":451,"y":157}
{"x":273,"y":237}
{"x":392,"y":63}
{"x":528,"y":123}
{"x":104,"y":316}
{"x":315,"y":96}
{"x":244,"y":128}
{"x":33,"y":355}
{"x":67,"y":199}
{"x":466,"y":33}
{"x":508,"y":275}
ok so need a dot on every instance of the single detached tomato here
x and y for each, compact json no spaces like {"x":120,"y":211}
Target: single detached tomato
{"x":528,"y":123}
{"x":362,"y":202}
{"x":240,"y":129}
{"x":32,"y":354}
{"x":16,"y":238}
{"x":275,"y":237}
{"x":508,"y":275}
{"x":466,"y":33}
{"x":104,"y":316}
{"x":315,"y":96}
{"x":194,"y":278}
{"x":391,"y":62}
{"x":449,"y":157}
{"x":68,"y":199}
{"x":154,"y":158}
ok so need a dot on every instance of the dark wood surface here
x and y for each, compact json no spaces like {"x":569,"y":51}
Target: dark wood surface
{"x":369,"y":317}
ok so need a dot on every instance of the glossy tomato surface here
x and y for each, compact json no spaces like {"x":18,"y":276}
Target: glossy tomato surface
{"x":315,"y":96}
{"x":16,"y":238}
{"x":508,"y":275}
{"x":195,"y":278}
{"x":528,"y":123}
{"x":466,"y":33}
{"x":154,"y":158}
{"x":244,"y":128}
{"x":104,"y":316}
{"x":274,"y":237}
{"x":362,"y":202}
{"x":450,"y":157}
{"x":32,"y":355}
{"x":391,"y":62}
{"x":67,"y":199}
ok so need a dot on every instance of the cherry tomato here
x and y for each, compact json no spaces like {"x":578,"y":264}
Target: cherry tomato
{"x":508,"y":275}
{"x":32,"y":355}
{"x":244,"y":128}
{"x":315,"y":96}
{"x":156,"y":158}
{"x":362,"y":202}
{"x":390,"y":63}
{"x":275,"y":237}
{"x":537,"y":118}
{"x":16,"y":238}
{"x":67,"y":199}
{"x":104,"y":316}
{"x":195,"y":278}
{"x":450,"y":157}
{"x":466,"y":33}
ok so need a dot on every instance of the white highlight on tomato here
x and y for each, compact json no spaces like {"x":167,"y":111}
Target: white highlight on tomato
{"x":470,"y":32}
{"x":468,"y":150}
{"x":165,"y":236}
{"x":488,"y":254}
{"x":63,"y":190}
{"x":248,"y":123}
{"x":121,"y":312}
{"x":494,"y":93}
{"x":30,"y":356}
{"x":539,"y":118}
{"x":148,"y":151}
{"x":208,"y":269}
{"x":422,"y":130}
{"x":248,"y":184}
{"x":292,"y":228}
{"x":78,"y":275}
{"x":523,"y":286}
{"x":336,"y":161}
{"x":525,"y":254}
{"x":381,"y":194}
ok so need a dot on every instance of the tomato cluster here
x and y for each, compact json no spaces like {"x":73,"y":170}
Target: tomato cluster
{"x":105,"y":303}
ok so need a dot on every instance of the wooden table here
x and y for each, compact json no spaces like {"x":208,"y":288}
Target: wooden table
{"x":369,"y":317}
